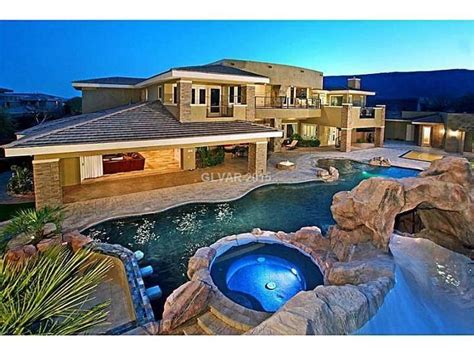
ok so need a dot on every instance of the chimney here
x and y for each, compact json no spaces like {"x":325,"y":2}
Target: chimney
{"x":353,"y":83}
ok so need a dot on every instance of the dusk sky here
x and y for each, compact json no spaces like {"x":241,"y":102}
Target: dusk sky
{"x":45,"y":56}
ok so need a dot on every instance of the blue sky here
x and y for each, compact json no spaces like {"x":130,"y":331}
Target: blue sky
{"x":45,"y":56}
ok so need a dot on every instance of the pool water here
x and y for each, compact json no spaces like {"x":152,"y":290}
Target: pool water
{"x":264,"y":277}
{"x":170,"y":238}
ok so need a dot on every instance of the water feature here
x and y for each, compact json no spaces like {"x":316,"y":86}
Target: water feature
{"x":264,"y":277}
{"x":170,"y":238}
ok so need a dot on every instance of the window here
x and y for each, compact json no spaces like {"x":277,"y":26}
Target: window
{"x":175,"y":94}
{"x":193,"y":96}
{"x":202,"y":96}
{"x":235,"y":95}
{"x":336,"y":100}
{"x":160,"y":92}
{"x":309,"y":131}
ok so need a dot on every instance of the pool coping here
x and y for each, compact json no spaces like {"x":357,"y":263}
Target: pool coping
{"x":253,"y":188}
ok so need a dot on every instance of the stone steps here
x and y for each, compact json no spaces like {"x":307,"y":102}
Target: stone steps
{"x":194,"y":329}
{"x":215,"y":326}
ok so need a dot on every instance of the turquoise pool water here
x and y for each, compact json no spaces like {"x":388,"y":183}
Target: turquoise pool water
{"x":170,"y":238}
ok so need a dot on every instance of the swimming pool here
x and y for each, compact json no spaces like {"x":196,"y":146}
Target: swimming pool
{"x":170,"y":238}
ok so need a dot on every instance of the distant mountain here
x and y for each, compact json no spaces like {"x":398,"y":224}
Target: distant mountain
{"x":452,"y":83}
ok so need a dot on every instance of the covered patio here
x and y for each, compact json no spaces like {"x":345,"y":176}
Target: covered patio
{"x":128,"y":183}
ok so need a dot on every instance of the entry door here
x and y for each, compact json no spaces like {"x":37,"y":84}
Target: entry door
{"x":426,"y":136}
{"x":215,"y":100}
{"x":91,"y":167}
{"x":332,"y":136}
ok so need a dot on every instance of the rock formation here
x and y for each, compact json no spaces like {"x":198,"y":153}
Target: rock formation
{"x":380,"y":161}
{"x":329,"y":175}
{"x":443,"y":196}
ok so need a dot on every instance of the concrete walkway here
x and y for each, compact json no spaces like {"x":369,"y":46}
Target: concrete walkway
{"x":84,"y":214}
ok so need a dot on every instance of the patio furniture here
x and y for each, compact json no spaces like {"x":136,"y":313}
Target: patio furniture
{"x":292,"y":145}
{"x":120,"y":163}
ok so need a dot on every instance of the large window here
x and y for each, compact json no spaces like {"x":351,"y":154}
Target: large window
{"x":235,"y":95}
{"x":309,"y":131}
{"x":175,"y":94}
{"x":198,"y":96}
{"x":336,"y":100}
{"x":160,"y":93}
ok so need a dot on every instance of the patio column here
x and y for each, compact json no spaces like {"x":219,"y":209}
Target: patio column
{"x":379,"y":136}
{"x":184,"y":100}
{"x":257,"y":158}
{"x":248,"y":93}
{"x":346,"y":140}
{"x":47,"y":180}
{"x":277,"y":141}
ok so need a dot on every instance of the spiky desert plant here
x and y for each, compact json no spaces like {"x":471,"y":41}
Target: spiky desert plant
{"x":31,"y":222}
{"x":50,"y":294}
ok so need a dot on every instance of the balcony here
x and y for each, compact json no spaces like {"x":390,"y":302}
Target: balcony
{"x":220,"y":110}
{"x":286,"y":108}
{"x":367,"y":112}
{"x":282,"y":102}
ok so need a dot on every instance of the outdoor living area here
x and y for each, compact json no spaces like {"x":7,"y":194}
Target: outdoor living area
{"x":161,"y":171}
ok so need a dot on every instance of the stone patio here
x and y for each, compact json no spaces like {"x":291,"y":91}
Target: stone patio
{"x":84,"y":214}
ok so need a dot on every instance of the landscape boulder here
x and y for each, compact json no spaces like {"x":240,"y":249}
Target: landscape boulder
{"x":380,"y":161}
{"x":185,"y":303}
{"x":76,"y":240}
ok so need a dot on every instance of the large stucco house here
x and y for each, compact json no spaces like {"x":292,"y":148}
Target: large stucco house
{"x":164,"y":119}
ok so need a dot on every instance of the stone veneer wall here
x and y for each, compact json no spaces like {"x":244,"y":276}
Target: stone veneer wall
{"x":47,"y":181}
{"x":346,"y":128}
{"x":249,"y":92}
{"x":257,"y":158}
{"x":184,"y":100}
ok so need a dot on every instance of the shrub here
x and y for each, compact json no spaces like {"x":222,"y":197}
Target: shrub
{"x":210,"y":157}
{"x":48,"y":294}
{"x":21,"y":181}
{"x":31,"y":222}
{"x":297,"y":137}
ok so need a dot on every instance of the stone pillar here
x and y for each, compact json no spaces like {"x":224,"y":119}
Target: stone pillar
{"x":346,"y":139}
{"x":379,"y":136}
{"x":346,"y":128}
{"x":47,"y":180}
{"x":184,"y":100}
{"x":276,"y":142}
{"x":248,"y":92}
{"x":257,"y":159}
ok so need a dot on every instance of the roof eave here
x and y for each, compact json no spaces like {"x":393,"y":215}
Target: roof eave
{"x":79,"y":86}
{"x":11,"y":151}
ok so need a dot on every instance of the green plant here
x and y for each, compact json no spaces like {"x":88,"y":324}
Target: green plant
{"x":21,"y":181}
{"x":49,"y":294}
{"x":359,"y":140}
{"x":210,"y":157}
{"x":31,"y":222}
{"x":296,"y":136}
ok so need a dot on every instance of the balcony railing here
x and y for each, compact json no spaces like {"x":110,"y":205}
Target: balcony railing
{"x":367,"y":112}
{"x":221,"y":110}
{"x":286,"y":102}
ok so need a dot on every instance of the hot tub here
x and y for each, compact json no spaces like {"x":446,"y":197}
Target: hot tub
{"x":262,"y":276}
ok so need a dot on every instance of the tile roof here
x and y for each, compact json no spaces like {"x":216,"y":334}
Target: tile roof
{"x":432,"y":118}
{"x":145,"y":121}
{"x":337,"y":88}
{"x":112,"y":80}
{"x":219,"y":69}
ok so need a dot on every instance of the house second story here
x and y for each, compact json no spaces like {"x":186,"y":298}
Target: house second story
{"x":19,"y":105}
{"x":232,"y":89}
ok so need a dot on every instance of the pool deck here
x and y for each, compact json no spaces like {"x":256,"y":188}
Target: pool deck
{"x":83,"y":214}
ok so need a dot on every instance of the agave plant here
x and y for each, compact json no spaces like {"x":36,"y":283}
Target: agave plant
{"x":31,"y":222}
{"x":49,"y":294}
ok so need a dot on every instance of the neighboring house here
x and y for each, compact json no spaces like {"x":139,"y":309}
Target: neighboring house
{"x":164,"y":118}
{"x":452,"y":132}
{"x":19,"y":105}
